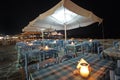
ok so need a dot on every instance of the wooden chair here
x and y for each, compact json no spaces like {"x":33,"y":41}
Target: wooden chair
{"x":100,"y":51}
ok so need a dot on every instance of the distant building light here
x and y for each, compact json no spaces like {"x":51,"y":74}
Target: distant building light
{"x":14,"y":37}
{"x":1,"y":37}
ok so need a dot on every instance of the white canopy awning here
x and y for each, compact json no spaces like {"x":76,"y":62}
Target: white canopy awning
{"x":65,"y":14}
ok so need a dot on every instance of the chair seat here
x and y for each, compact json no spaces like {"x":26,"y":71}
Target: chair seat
{"x":67,"y":57}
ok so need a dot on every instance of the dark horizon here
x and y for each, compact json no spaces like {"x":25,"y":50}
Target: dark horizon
{"x":15,"y":15}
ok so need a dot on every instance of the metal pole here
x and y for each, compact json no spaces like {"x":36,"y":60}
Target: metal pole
{"x":42,"y":34}
{"x":42,"y":30}
{"x":65,"y":32}
{"x":26,"y":66}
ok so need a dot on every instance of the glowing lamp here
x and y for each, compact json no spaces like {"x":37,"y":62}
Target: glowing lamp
{"x":72,"y":43}
{"x":90,"y":40}
{"x":46,"y":48}
{"x":54,"y":41}
{"x":30,"y":44}
{"x":84,"y":68}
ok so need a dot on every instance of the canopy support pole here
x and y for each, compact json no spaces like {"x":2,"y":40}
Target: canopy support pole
{"x":65,"y":32}
{"x":42,"y":35}
{"x":42,"y":31}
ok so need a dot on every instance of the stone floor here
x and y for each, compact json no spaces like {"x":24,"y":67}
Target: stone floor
{"x":8,"y":57}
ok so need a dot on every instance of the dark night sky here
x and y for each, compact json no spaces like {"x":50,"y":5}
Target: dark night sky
{"x":16,"y":14}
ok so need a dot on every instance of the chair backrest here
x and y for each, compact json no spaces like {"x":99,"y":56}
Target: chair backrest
{"x":66,"y":57}
{"x":85,"y":47}
{"x":100,"y":49}
{"x":40,"y":65}
{"x":79,"y":49}
{"x":118,"y":63}
{"x":43,"y":59}
{"x":115,"y":44}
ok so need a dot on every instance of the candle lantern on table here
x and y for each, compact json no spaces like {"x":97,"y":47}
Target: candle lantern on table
{"x":84,"y":68}
{"x":46,"y":48}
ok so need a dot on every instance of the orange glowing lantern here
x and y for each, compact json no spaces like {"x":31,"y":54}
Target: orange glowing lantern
{"x":84,"y":68}
{"x":30,"y":44}
{"x":46,"y":48}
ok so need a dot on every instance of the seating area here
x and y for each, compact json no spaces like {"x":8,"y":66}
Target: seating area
{"x":37,"y":55}
{"x":113,"y":53}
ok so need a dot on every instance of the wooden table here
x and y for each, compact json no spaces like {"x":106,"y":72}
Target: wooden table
{"x":73,"y":48}
{"x":64,"y":71}
{"x":112,"y":52}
